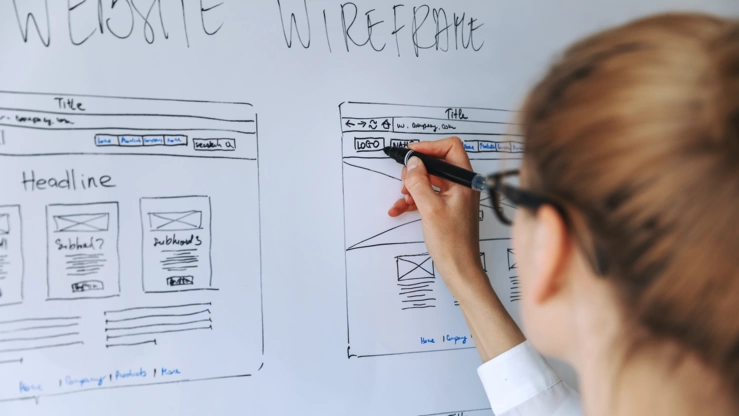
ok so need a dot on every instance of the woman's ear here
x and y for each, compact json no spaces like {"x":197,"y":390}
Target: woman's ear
{"x":550,"y":253}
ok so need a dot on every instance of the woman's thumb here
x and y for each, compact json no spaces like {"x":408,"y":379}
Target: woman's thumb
{"x":418,"y":185}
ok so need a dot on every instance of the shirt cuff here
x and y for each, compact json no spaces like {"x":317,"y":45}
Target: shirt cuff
{"x":515,"y":376}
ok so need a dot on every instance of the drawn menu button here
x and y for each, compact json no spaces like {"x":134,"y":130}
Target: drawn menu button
{"x":131,"y":140}
{"x":503,"y":147}
{"x":175,"y":140}
{"x":471,"y":146}
{"x":153,"y":140}
{"x":106,"y":140}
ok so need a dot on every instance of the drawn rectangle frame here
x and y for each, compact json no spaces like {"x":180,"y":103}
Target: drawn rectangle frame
{"x":117,"y":251}
{"x":350,"y":134}
{"x":37,"y":396}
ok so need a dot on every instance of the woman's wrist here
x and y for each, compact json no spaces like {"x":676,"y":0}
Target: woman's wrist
{"x":494,"y":330}
{"x":464,"y":277}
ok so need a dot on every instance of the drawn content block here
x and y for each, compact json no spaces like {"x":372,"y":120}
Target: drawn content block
{"x":397,"y":302}
{"x":142,"y":264}
{"x":176,"y":242}
{"x":82,"y":251}
{"x":11,"y":255}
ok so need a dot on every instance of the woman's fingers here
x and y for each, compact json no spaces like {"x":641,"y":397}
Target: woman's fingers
{"x":400,"y":207}
{"x":439,"y":183}
{"x":418,"y":184}
{"x":450,"y":149}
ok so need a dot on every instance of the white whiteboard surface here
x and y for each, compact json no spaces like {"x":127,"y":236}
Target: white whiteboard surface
{"x":219,"y":245}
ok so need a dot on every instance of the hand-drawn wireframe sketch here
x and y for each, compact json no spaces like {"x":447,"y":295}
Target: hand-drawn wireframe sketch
{"x":82,"y":251}
{"x":111,"y":184}
{"x":11,"y":255}
{"x":392,"y":286}
{"x":176,"y":243}
{"x":476,"y":412}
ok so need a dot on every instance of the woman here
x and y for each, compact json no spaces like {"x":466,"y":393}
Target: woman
{"x":626,"y":234}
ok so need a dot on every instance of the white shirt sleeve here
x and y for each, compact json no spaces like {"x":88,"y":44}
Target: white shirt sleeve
{"x":520,"y":382}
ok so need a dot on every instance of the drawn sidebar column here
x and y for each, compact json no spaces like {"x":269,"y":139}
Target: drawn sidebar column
{"x":134,"y":262}
{"x":397,"y":302}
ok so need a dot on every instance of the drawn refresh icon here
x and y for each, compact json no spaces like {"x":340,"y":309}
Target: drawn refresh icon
{"x":4,"y":224}
{"x":415,"y":267}
{"x":175,"y":221}
{"x":90,"y":223}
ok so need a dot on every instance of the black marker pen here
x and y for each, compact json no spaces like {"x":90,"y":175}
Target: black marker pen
{"x":439,"y":168}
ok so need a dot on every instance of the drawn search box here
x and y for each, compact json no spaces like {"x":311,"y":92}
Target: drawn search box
{"x":214,"y":145}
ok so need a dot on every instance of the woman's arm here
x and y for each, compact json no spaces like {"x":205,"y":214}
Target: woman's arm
{"x":519,"y":382}
{"x":451,"y":231}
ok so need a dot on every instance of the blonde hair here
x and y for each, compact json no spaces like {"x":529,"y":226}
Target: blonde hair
{"x":636,"y":131}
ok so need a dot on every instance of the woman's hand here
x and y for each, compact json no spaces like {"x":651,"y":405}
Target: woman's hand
{"x":451,"y":231}
{"x":449,"y":217}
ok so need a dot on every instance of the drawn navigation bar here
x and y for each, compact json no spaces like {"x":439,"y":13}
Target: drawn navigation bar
{"x":133,"y":140}
{"x":485,"y":146}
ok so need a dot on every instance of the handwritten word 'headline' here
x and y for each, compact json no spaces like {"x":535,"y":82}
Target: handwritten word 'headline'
{"x":347,"y":26}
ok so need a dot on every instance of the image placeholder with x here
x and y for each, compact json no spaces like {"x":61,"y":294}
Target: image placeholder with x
{"x":81,"y":223}
{"x":417,"y":266}
{"x":175,"y":221}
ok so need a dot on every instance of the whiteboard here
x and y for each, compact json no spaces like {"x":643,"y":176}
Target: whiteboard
{"x":193,"y":205}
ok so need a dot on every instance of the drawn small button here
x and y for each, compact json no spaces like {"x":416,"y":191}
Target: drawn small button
{"x":153,"y":140}
{"x":131,"y":140}
{"x":471,"y":146}
{"x":106,"y":140}
{"x":178,"y":140}
{"x":503,"y":147}
{"x":487,"y":146}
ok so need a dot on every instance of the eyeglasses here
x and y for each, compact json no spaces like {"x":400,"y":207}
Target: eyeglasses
{"x":506,"y":196}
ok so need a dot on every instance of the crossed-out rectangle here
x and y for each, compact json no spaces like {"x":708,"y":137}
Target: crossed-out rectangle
{"x":82,"y":222}
{"x":175,"y":221}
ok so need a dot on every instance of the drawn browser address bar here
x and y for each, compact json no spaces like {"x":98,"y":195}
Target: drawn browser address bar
{"x":49,"y":120}
{"x":60,"y":124}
